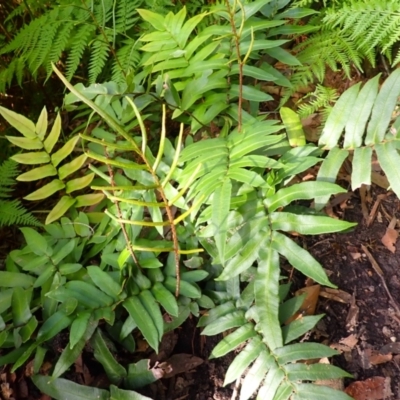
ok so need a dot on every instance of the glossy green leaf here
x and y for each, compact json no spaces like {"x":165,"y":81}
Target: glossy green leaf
{"x":272,"y":381}
{"x":256,"y":374}
{"x":24,"y":357}
{"x":63,"y":205}
{"x":120,"y":394}
{"x":52,"y":326}
{"x":361,"y":167}
{"x":41,"y":124}
{"x":65,"y":151}
{"x":37,"y":173}
{"x":71,"y":167}
{"x":156,"y":20}
{"x":54,"y":135}
{"x":25,"y":143}
{"x":383,"y":108}
{"x":20,"y":306}
{"x":87,"y":200}
{"x":360,"y":113}
{"x":19,"y":122}
{"x":245,"y":258}
{"x":143,"y":320}
{"x":301,"y":191}
{"x":389,"y":160}
{"x":15,"y":279}
{"x":284,"y":391}
{"x":39,"y":358}
{"x":338,"y":118}
{"x":188,"y":27}
{"x":44,"y":276}
{"x":63,"y":252}
{"x":62,"y":389}
{"x":186,"y":288}
{"x":115,"y":371}
{"x":303,"y":351}
{"x":234,"y":339}
{"x":79,"y":183}
{"x":46,"y":190}
{"x":220,"y":210}
{"x":299,"y":327}
{"x":313,"y":372}
{"x":149,"y":303}
{"x":94,"y":298}
{"x":69,"y":268}
{"x":307,"y":391}
{"x":267,"y":298}
{"x":78,"y":328}
{"x":36,"y":242}
{"x":104,"y":282}
{"x":307,"y":224}
{"x":223,"y":324}
{"x":328,"y":172}
{"x":246,"y":176}
{"x":300,"y":258}
{"x":243,"y":359}
{"x":215,"y":313}
{"x":165,"y":298}
{"x":37,"y":157}
{"x":293,"y":126}
{"x":250,"y":93}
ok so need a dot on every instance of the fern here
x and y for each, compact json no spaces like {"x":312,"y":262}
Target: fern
{"x":321,"y":99}
{"x":12,"y":211}
{"x":73,"y":29}
{"x":370,"y":24}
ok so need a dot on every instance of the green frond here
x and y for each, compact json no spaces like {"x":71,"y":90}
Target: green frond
{"x":58,"y":46}
{"x":98,"y":57}
{"x":322,"y":98}
{"x":126,"y":15}
{"x":8,"y":171}
{"x":79,"y":42}
{"x":369,"y":24}
{"x":13,"y":213}
{"x":128,"y":59}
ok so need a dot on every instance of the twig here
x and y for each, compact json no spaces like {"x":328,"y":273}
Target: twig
{"x":379,"y":271}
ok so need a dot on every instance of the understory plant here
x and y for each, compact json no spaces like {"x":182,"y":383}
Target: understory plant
{"x":176,"y":197}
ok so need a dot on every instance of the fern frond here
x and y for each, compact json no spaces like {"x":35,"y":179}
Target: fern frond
{"x":13,"y":212}
{"x":98,"y":58}
{"x":79,"y":42}
{"x":321,"y":99}
{"x":369,"y":24}
{"x":128,"y":59}
{"x":126,"y":15}
{"x":8,"y":171}
{"x":59,"y":44}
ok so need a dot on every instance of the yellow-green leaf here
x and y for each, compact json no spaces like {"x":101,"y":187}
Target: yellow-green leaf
{"x":79,"y":183}
{"x":46,"y":190}
{"x":41,"y":124}
{"x":19,"y":122}
{"x":88,"y":199}
{"x":71,"y":167}
{"x":60,"y":209}
{"x":54,"y":134}
{"x":65,"y":151}
{"x":37,"y":173}
{"x":26,"y":143}
{"x":35,"y":157}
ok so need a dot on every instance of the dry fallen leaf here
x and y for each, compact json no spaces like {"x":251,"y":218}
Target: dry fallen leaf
{"x":375,"y":388}
{"x":349,"y":341}
{"x":309,"y":304}
{"x":390,"y":237}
